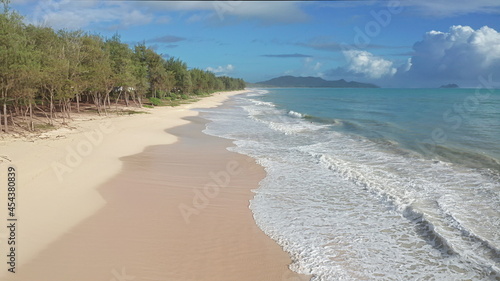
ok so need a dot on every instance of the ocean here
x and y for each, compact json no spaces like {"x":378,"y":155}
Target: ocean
{"x":374,"y":184}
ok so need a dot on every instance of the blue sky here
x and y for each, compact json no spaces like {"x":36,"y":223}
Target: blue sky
{"x":415,"y":43}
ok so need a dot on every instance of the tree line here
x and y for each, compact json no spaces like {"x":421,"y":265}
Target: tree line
{"x":52,"y":73}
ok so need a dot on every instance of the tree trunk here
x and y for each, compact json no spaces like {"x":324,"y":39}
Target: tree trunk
{"x":116,"y":102}
{"x":97,"y":103}
{"x":5,"y":117}
{"x":32,"y":126}
{"x":104,"y":103}
{"x":51,"y":107}
{"x":104,"y":100}
{"x":61,"y":104}
{"x":12,"y":118}
{"x":25,"y":115}
{"x":78,"y":103}
{"x":69,"y":108}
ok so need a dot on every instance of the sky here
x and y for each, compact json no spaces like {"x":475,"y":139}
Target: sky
{"x":392,"y":43}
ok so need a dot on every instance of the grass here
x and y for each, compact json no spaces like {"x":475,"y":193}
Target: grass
{"x":131,"y":112}
{"x":188,"y":101}
{"x":175,"y":100}
{"x":44,"y":127}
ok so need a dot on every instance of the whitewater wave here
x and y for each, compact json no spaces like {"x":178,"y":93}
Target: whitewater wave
{"x":296,"y":114}
{"x":349,"y":208}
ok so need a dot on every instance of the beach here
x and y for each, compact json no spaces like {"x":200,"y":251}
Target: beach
{"x":142,"y":197}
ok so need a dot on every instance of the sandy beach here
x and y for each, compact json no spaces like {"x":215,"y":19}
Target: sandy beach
{"x":142,"y":197}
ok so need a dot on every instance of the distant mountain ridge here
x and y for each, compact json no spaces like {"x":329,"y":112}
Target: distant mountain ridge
{"x":450,"y":86}
{"x":313,"y":82}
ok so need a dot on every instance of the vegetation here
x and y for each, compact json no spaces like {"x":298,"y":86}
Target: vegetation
{"x":50,"y":74}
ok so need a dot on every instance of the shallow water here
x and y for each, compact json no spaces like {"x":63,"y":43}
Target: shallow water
{"x":375,"y":184}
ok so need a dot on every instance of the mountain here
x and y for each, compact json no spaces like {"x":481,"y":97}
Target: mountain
{"x":313,"y":82}
{"x":450,"y":86}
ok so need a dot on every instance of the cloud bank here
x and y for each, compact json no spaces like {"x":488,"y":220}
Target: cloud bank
{"x":167,"y":39}
{"x":448,"y":8}
{"x":114,"y":15}
{"x":221,"y":70}
{"x":363,"y":62}
{"x":296,"y":55}
{"x":81,"y":14}
{"x":461,"y":55}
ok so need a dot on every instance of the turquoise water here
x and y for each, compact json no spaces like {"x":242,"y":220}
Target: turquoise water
{"x":458,"y":125}
{"x":375,"y":184}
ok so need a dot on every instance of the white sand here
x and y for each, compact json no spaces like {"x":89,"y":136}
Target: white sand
{"x":50,"y":200}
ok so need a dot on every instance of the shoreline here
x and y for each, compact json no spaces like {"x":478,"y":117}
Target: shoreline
{"x":79,"y":164}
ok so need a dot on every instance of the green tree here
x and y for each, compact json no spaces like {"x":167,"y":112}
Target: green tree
{"x":53,"y":65}
{"x":157,"y":74}
{"x":140,"y":72}
{"x":54,"y":69}
{"x":72,"y":51}
{"x":183,"y":82}
{"x":18,"y":67}
{"x":121,"y":57}
{"x":97,"y":75}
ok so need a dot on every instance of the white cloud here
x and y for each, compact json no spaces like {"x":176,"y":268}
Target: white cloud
{"x":221,"y":70}
{"x":72,"y":14}
{"x":262,"y":11}
{"x":135,"y":17}
{"x":198,"y":17}
{"x":405,"y":67}
{"x":371,"y":66}
{"x":68,"y":14}
{"x":309,"y":67}
{"x":462,"y":53}
{"x":267,"y":11}
{"x":454,"y":7}
{"x":163,"y":19}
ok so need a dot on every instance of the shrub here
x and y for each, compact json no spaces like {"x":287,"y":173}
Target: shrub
{"x":155,"y":101}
